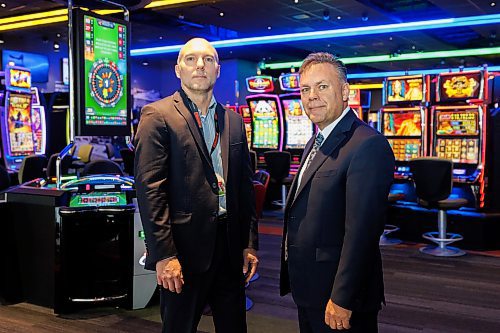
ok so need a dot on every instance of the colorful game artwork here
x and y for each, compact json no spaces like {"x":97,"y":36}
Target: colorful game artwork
{"x":402,"y":123}
{"x":405,"y":89}
{"x":460,"y":86}
{"x":299,"y":127}
{"x":265,"y":124}
{"x":19,"y":125}
{"x":405,"y":149}
{"x":19,"y":78}
{"x":457,"y":123}
{"x":105,"y":53}
{"x":458,"y":150}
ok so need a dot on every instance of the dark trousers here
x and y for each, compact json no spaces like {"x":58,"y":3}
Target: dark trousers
{"x":313,"y":321}
{"x":222,"y":287}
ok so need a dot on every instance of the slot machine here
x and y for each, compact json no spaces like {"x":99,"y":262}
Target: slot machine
{"x":244,"y":111}
{"x":403,"y":120}
{"x":355,"y":102}
{"x":267,"y":116}
{"x":39,"y":122}
{"x":460,"y":119}
{"x":16,"y":117}
{"x":298,"y":127}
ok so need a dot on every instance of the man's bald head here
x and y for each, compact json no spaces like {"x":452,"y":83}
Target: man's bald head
{"x":197,"y":44}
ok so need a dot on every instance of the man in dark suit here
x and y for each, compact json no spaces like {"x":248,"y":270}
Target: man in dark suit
{"x":196,"y":199}
{"x":334,"y":215}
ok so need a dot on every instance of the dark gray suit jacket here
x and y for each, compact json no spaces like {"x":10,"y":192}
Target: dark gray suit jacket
{"x":335,"y":218}
{"x":177,"y":188}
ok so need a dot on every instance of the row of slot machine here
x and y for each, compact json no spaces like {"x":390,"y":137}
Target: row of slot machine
{"x":22,"y":118}
{"x":450,"y":121}
{"x":278,"y":121}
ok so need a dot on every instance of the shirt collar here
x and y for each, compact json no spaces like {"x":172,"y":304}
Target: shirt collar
{"x":329,"y":129}
{"x":211,"y":107}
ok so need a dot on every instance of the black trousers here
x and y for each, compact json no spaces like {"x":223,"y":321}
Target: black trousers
{"x":222,"y":287}
{"x":313,"y":321}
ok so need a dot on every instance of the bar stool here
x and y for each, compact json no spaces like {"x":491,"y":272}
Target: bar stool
{"x":389,"y":228}
{"x":433,"y":178}
{"x":278,"y":166}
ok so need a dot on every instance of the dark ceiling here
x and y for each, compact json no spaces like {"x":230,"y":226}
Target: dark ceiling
{"x":247,"y":18}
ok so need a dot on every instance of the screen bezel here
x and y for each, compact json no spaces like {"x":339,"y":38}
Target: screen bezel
{"x":82,"y":129}
{"x":279,"y":116}
{"x":388,"y":80}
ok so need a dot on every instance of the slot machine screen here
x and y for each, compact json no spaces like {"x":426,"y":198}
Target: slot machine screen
{"x":457,"y":123}
{"x":265,"y":123}
{"x":299,"y":127}
{"x":98,"y":199}
{"x":405,"y":89}
{"x":459,"y":150}
{"x":18,"y":78}
{"x":103,"y":81}
{"x":19,"y":124}
{"x":402,"y":123}
{"x":460,"y":86}
{"x":245,"y":111}
{"x":38,"y":125}
{"x":405,"y":149}
{"x":354,"y":97}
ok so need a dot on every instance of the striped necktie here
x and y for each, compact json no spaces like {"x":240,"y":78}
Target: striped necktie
{"x":317,"y":144}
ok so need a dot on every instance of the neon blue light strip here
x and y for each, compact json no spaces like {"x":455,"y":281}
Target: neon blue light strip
{"x":347,"y":32}
{"x":415,"y":72}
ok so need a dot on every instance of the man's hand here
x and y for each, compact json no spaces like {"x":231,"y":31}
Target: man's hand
{"x":337,"y":317}
{"x":249,"y":258}
{"x":169,"y":274}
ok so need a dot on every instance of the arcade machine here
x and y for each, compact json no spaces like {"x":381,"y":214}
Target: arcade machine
{"x":38,"y":123}
{"x":15,"y":117}
{"x":298,"y":127}
{"x":355,"y":102}
{"x":91,"y":221}
{"x":267,"y":117}
{"x":244,"y":111}
{"x":403,"y":121}
{"x":459,"y":121}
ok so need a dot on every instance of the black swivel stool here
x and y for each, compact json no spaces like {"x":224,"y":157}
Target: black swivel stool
{"x":433,"y":178}
{"x":107,"y":167}
{"x":389,"y":228}
{"x":278,"y":166}
{"x":32,"y":167}
{"x":65,"y":165}
{"x":128,"y":157}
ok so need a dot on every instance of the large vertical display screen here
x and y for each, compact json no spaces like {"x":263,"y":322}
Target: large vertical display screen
{"x":19,"y":125}
{"x":103,"y":68}
{"x":265,"y":124}
{"x":299,"y":127}
{"x":402,"y":123}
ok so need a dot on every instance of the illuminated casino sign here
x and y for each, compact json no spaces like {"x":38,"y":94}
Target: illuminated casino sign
{"x":260,"y":84}
{"x":460,"y":86}
{"x":289,"y":82}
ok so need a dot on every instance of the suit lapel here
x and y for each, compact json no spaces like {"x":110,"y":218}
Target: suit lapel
{"x":223,"y":117}
{"x":193,"y":127}
{"x":332,"y":142}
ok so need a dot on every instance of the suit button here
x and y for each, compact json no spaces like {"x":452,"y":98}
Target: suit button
{"x":214,"y":185}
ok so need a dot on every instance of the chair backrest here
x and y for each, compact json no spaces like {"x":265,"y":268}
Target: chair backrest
{"x":32,"y":168}
{"x":260,"y":196}
{"x":253,"y":160}
{"x":85,"y":152}
{"x":277,"y":164}
{"x":433,"y":178}
{"x":262,"y":177}
{"x":102,"y":167}
{"x":128,"y":160}
{"x":110,"y":150}
{"x":65,"y":165}
{"x":4,"y":178}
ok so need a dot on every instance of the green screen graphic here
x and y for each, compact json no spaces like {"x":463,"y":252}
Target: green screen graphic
{"x":98,"y":199}
{"x":106,"y":72}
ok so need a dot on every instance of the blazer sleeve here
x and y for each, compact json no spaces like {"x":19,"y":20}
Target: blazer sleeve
{"x":151,"y":176}
{"x":369,"y":178}
{"x":247,"y":195}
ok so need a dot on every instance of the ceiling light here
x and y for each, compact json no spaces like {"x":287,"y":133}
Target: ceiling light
{"x":413,"y":47}
{"x":13,"y":26}
{"x":58,"y":35}
{"x":56,"y":46}
{"x":364,"y":17}
{"x":145,"y":63}
{"x":337,"y":33}
{"x":221,"y":14}
{"x":301,"y":16}
{"x":269,"y":27}
{"x":1,"y":40}
{"x":493,"y":4}
{"x":161,"y":37}
{"x":326,"y":14}
{"x":400,"y":57}
{"x":296,"y":1}
{"x":339,"y":17}
{"x":3,"y":5}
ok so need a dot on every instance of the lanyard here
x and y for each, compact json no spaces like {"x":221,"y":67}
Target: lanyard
{"x":216,"y":122}
{"x":194,"y":110}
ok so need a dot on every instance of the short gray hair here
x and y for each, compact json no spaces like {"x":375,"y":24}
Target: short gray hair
{"x":324,"y":58}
